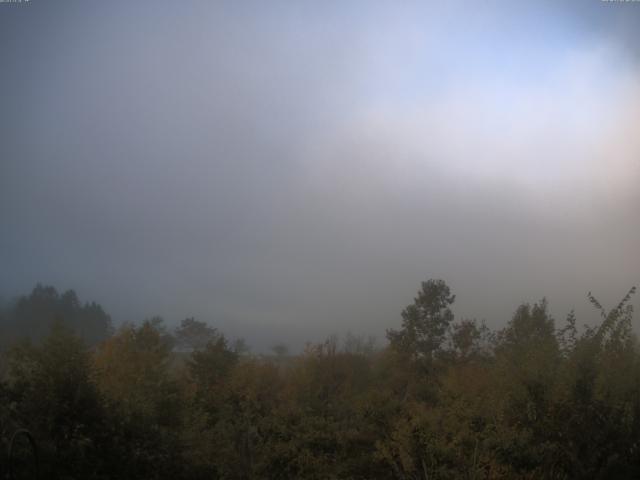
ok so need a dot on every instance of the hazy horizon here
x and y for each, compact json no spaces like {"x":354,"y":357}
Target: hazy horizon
{"x":286,"y":171}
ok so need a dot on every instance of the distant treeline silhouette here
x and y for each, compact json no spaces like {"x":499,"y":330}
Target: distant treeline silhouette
{"x":445,"y":399}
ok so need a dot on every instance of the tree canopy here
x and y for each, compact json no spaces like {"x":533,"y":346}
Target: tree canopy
{"x":445,"y":399}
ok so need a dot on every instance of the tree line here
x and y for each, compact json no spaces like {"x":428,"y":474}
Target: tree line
{"x":446,"y":398}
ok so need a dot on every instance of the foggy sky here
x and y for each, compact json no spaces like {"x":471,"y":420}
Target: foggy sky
{"x":287,"y":170}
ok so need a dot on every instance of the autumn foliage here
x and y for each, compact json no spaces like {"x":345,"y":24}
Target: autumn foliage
{"x":445,"y":399}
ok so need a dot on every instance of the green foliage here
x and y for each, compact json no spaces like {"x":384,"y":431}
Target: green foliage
{"x":33,"y":315}
{"x":54,"y":397}
{"x":194,"y":335}
{"x":211,"y":366}
{"x":426,"y":322}
{"x":445,"y":400}
{"x":143,"y":402}
{"x":470,"y":340}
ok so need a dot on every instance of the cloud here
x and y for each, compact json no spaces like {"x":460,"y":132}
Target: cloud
{"x":300,"y":169}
